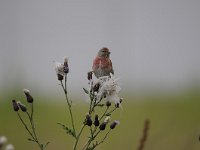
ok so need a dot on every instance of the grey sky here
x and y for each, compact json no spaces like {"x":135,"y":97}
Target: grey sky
{"x":153,"y":43}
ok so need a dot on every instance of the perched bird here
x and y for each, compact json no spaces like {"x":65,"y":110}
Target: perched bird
{"x":102,"y":65}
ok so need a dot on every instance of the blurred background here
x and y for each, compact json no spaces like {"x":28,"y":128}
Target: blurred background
{"x":155,"y":51}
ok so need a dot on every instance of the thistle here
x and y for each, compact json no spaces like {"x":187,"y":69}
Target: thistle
{"x":30,"y":128}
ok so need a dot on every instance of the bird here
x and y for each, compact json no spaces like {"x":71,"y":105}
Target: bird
{"x":102,"y":65}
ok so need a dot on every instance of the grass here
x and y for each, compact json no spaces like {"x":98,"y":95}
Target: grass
{"x":174,"y":123}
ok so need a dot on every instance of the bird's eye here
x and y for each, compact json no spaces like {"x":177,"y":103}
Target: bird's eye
{"x":104,"y":51}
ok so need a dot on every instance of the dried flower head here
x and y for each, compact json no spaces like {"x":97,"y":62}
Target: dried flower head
{"x":88,"y":120}
{"x":102,"y":126}
{"x":26,"y":91}
{"x":109,"y":88}
{"x":65,"y":66}
{"x":121,"y":100}
{"x":9,"y":147}
{"x":59,"y":68}
{"x":22,"y":106}
{"x":114,"y":124}
{"x":96,"y":87}
{"x":89,"y":75}
{"x":117,"y":105}
{"x":3,"y":140}
{"x":108,"y":103}
{"x":29,"y":98}
{"x":107,"y":119}
{"x":65,"y":60}
{"x":105,"y":122}
{"x":15,"y":105}
{"x":96,"y":120}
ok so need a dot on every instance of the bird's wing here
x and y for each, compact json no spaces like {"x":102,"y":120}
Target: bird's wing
{"x":112,"y":71}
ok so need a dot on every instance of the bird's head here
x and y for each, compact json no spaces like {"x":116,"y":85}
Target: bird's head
{"x":104,"y":52}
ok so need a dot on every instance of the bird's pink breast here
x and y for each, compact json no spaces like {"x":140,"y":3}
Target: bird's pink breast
{"x":101,"y":62}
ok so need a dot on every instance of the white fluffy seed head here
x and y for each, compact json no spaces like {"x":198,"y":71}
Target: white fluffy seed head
{"x":3,"y":140}
{"x":65,"y":59}
{"x":9,"y":147}
{"x":19,"y":102}
{"x":107,"y":119}
{"x":117,"y":122}
{"x":59,"y":68}
{"x":26,"y":91}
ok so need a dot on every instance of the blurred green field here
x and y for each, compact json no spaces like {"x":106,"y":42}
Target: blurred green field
{"x":174,"y":123}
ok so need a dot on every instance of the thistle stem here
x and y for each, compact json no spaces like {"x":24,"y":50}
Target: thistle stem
{"x":103,"y":138}
{"x":78,"y":136}
{"x":91,"y":139}
{"x":34,"y":137}
{"x":111,"y":111}
{"x":69,"y":106}
{"x":104,"y":114}
{"x":33,"y":128}
{"x":24,"y":124}
{"x":93,"y":135}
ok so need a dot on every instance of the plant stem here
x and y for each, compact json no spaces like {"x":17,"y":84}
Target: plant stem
{"x":144,"y":136}
{"x":78,"y":136}
{"x":94,"y":105}
{"x":33,"y":129}
{"x":111,"y":111}
{"x":32,"y":126}
{"x":103,"y":138}
{"x":34,"y":137}
{"x":69,"y":107}
{"x":32,"y":111}
{"x":91,"y":139}
{"x":103,"y":114}
{"x":88,"y":144}
{"x":22,"y":121}
{"x":93,"y":135}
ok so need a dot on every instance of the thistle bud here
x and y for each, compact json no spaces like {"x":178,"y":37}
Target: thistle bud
{"x":88,"y":120}
{"x":114,"y":124}
{"x":117,"y":105}
{"x":60,"y":77}
{"x":66,"y":67}
{"x":22,"y":106}
{"x":108,"y":103}
{"x":89,"y":75}
{"x":121,"y":100}
{"x":96,"y":121}
{"x":29,"y":98}
{"x":96,"y":87}
{"x":15,"y":105}
{"x":103,"y":126}
{"x":59,"y":68}
{"x":65,"y":61}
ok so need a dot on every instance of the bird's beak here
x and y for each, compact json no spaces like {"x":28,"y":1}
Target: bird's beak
{"x":108,"y":54}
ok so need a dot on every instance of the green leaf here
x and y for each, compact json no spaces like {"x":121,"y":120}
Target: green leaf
{"x":67,"y":130}
{"x":94,"y":145}
{"x":101,"y":105}
{"x":46,"y":144}
{"x":90,"y":148}
{"x":29,"y":139}
{"x":108,"y":114}
{"x":86,"y":91}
